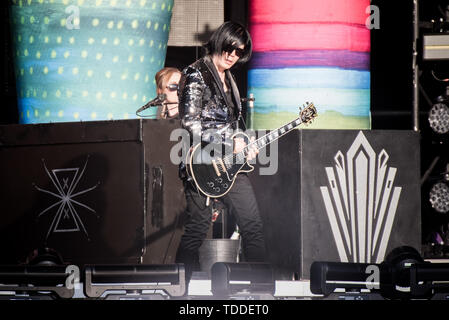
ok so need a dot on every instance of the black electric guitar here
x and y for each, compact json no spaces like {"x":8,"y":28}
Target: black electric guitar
{"x":215,"y":175}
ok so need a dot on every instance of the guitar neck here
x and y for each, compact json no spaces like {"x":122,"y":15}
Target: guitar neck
{"x":306,"y":116}
{"x":273,"y":135}
{"x":261,"y":142}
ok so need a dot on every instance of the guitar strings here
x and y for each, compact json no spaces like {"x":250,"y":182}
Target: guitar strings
{"x":310,"y":109}
{"x":274,"y":136}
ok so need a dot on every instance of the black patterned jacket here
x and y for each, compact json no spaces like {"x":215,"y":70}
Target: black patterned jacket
{"x":203,"y":105}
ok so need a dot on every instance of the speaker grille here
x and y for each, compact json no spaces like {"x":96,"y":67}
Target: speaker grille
{"x":193,"y":21}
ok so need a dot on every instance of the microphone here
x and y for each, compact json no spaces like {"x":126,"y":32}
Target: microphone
{"x":251,"y":99}
{"x":155,"y":102}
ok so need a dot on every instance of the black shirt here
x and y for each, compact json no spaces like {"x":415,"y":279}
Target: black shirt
{"x":230,"y":98}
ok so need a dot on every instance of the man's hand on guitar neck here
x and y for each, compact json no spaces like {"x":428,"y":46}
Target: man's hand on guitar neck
{"x":240,"y":144}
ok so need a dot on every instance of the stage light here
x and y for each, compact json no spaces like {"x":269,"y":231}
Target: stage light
{"x":430,"y":280}
{"x":390,"y":279}
{"x":228,"y":278}
{"x":327,"y":277}
{"x":109,"y":281}
{"x":439,"y":118}
{"x":435,"y":46}
{"x":395,"y":272}
{"x":44,"y":257}
{"x":36,"y":282}
{"x":439,"y":197}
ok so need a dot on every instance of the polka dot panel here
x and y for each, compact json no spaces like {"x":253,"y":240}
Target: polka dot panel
{"x":81,"y":60}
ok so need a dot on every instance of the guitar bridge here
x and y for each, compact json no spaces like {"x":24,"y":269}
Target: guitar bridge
{"x":222,"y":165}
{"x":219,"y":166}
{"x":217,"y":171}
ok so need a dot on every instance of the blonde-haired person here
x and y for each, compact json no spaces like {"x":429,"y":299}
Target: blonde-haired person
{"x":167,"y":80}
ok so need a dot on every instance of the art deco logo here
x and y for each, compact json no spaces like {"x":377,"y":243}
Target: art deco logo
{"x":66,"y":217}
{"x":361,"y":202}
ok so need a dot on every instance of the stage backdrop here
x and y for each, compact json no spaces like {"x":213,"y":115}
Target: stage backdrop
{"x":316,"y":51}
{"x":87,"y":59}
{"x":339,"y":195}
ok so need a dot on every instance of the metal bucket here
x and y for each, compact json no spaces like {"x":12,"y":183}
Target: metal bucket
{"x":218,"y":250}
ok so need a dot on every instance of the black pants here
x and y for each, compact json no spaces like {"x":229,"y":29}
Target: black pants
{"x":241,"y":202}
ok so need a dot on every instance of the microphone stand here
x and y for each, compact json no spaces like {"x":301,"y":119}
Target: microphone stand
{"x":167,"y":109}
{"x":156,"y":102}
{"x":139,"y":115}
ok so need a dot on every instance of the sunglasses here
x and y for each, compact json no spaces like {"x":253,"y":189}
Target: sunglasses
{"x":238,"y":51}
{"x":172,"y":87}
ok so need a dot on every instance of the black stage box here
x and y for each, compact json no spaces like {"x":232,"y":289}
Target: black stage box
{"x":338,"y":195}
{"x":92,"y":191}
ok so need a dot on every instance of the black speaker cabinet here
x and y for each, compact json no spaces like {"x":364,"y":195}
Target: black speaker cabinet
{"x":96,"y":192}
{"x":338,"y":195}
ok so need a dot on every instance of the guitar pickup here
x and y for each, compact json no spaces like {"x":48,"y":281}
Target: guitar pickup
{"x":217,"y":171}
{"x":216,"y":166}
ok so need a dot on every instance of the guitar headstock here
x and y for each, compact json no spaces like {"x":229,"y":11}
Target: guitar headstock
{"x":308,"y":113}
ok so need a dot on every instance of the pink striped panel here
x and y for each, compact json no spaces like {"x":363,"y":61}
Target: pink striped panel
{"x":304,"y":36}
{"x":282,"y":11}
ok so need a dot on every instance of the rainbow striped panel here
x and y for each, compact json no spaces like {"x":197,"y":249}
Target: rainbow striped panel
{"x":310,"y":51}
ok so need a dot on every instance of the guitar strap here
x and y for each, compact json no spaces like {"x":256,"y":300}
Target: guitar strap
{"x":236,"y":93}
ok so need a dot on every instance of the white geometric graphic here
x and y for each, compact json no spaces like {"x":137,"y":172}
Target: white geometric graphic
{"x":66,"y":218}
{"x":361,"y":202}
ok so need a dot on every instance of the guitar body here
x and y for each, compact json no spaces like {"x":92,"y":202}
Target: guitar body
{"x":214,"y":175}
{"x":209,"y":172}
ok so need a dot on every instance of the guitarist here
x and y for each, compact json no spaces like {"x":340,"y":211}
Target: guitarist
{"x":210,"y":106}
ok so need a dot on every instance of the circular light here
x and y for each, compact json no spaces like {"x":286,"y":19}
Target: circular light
{"x":439,"y":118}
{"x":439,"y":197}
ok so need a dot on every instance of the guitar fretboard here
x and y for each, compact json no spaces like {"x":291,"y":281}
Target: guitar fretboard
{"x":260,"y":143}
{"x":273,"y":135}
{"x":306,"y":116}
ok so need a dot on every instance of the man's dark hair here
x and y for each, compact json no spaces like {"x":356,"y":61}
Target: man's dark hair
{"x":230,"y":33}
